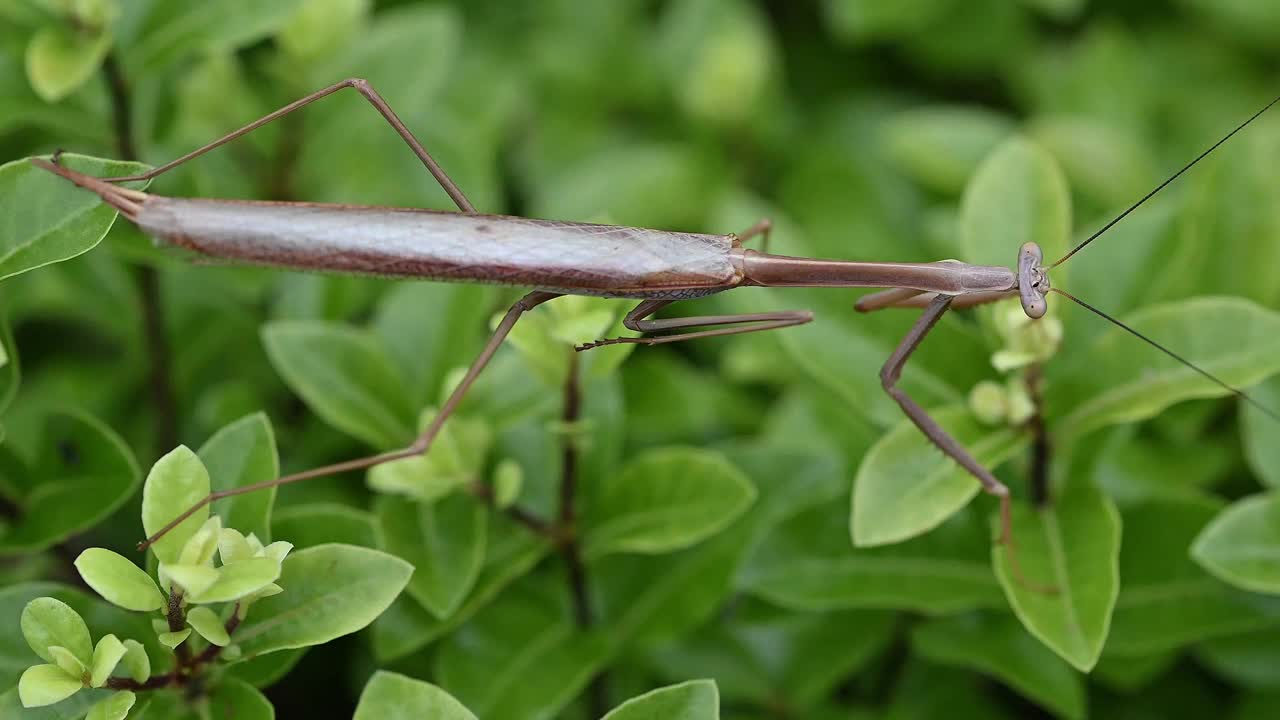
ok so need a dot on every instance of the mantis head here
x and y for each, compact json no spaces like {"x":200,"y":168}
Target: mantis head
{"x":1033,"y":281}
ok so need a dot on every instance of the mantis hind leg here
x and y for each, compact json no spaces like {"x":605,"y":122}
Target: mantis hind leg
{"x":366,"y":90}
{"x":749,"y":322}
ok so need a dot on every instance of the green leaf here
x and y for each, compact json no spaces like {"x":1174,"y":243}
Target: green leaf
{"x":445,"y":541}
{"x":106,"y":655}
{"x":996,"y":645}
{"x":941,"y":146}
{"x":209,"y":625}
{"x":693,"y":700}
{"x":115,"y":707}
{"x":391,"y":696}
{"x":239,"y":579}
{"x":807,"y":565}
{"x":319,"y":28}
{"x":319,"y":523}
{"x":1099,"y":158}
{"x":1168,"y":601}
{"x":1116,"y":380}
{"x":243,"y":453}
{"x":47,"y":621}
{"x":1241,"y":545}
{"x":192,"y":579}
{"x":666,"y":500}
{"x":135,"y":661}
{"x":44,"y":685}
{"x":521,"y":657}
{"x":1018,"y":195}
{"x":330,"y":591}
{"x":234,"y":698}
{"x":176,"y":482}
{"x":173,"y":639}
{"x":345,"y":376}
{"x":15,"y":654}
{"x":73,"y":708}
{"x":905,"y":486}
{"x":1257,"y":430}
{"x":1069,"y":552}
{"x":118,"y":580}
{"x":82,"y":473}
{"x":456,"y":459}
{"x":10,"y":370}
{"x":69,"y":663}
{"x":47,"y":219}
{"x":183,"y":29}
{"x":60,"y":59}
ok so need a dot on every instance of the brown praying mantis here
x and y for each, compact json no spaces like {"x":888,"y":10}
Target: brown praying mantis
{"x":656,"y":267}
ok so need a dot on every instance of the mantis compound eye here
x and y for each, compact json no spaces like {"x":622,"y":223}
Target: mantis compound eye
{"x":1033,"y":283}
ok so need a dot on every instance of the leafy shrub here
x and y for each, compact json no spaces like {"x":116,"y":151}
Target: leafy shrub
{"x":744,"y":527}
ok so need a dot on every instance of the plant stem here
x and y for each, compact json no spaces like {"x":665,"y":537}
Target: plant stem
{"x":567,"y":522}
{"x":527,"y":518}
{"x":185,"y":671}
{"x":145,"y":277}
{"x":177,"y":620}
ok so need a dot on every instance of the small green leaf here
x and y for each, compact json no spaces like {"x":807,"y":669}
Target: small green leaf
{"x":1017,"y":195}
{"x":693,"y":700}
{"x":193,"y":579}
{"x":456,"y":458}
{"x":445,"y":541}
{"x":330,"y":591}
{"x":176,"y":482}
{"x":391,"y":696}
{"x":47,"y":621}
{"x":345,"y":376}
{"x":173,"y":639}
{"x":905,"y":486}
{"x":209,"y":625}
{"x":47,"y":219}
{"x":44,"y":685}
{"x":61,"y":58}
{"x":666,"y":500}
{"x":69,"y":663}
{"x":201,"y":546}
{"x":106,"y":655}
{"x":322,"y":27}
{"x":508,"y":478}
{"x":243,"y":453}
{"x":1070,"y":551}
{"x":996,"y":645}
{"x":941,"y":146}
{"x":1116,"y":380}
{"x":135,"y":661}
{"x":119,"y":581}
{"x":115,"y":707}
{"x":1242,"y":544}
{"x":239,"y":579}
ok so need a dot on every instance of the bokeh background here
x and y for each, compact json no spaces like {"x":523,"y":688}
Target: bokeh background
{"x":855,"y":125}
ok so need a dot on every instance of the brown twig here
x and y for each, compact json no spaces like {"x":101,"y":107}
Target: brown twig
{"x":185,"y":672}
{"x":527,"y":518}
{"x":177,"y":620}
{"x":567,"y":522}
{"x":1040,"y":444}
{"x":146,"y":277}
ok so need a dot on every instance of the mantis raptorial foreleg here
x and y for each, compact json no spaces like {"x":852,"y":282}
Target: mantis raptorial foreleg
{"x":365,"y":89}
{"x":754,"y":322}
{"x":419,"y":446}
{"x":889,"y":376}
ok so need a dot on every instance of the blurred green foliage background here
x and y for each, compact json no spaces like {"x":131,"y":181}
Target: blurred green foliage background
{"x":858,"y":126}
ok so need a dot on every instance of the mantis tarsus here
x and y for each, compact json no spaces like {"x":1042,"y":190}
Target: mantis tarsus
{"x":558,"y":258}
